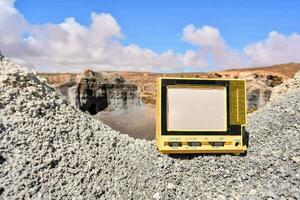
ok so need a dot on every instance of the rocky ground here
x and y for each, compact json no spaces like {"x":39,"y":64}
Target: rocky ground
{"x":286,"y":87}
{"x":49,"y":150}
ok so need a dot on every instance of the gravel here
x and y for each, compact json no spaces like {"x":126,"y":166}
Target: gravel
{"x":286,"y":86}
{"x":50,"y":150}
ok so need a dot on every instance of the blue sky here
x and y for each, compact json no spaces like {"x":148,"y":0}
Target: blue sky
{"x":158,"y":24}
{"x":149,"y":35}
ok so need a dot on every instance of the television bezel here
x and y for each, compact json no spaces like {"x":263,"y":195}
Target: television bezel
{"x":231,"y":129}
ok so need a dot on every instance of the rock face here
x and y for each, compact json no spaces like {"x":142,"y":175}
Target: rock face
{"x":94,"y":92}
{"x":50,"y":150}
{"x":260,"y":82}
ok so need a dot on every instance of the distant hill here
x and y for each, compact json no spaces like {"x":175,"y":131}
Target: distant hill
{"x":284,"y":70}
{"x":260,"y":80}
{"x":287,"y":70}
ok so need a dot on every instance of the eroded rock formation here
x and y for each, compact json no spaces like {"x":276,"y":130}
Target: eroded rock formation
{"x":260,"y":83}
{"x":94,"y":92}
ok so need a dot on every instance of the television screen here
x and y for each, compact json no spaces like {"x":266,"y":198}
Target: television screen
{"x":196,"y":109}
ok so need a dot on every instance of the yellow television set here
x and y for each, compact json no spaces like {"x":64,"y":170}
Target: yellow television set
{"x":196,"y":115}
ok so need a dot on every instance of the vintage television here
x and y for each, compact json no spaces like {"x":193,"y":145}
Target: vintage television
{"x":196,"y":115}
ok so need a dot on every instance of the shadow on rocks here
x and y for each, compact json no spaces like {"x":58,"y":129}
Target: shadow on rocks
{"x":192,"y":156}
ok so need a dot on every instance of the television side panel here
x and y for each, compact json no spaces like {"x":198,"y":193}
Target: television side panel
{"x":158,"y":111}
{"x":237,"y":101}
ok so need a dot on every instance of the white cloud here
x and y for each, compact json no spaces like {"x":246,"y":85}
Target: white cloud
{"x":11,"y":26}
{"x":71,"y":46}
{"x":211,"y":43}
{"x":276,"y":49}
{"x":194,"y":59}
{"x":206,"y":36}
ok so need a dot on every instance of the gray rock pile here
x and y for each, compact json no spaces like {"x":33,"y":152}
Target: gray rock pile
{"x":49,"y":150}
{"x":286,"y":86}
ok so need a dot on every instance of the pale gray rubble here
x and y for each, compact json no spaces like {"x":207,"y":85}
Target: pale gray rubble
{"x":50,"y":150}
{"x":286,"y":86}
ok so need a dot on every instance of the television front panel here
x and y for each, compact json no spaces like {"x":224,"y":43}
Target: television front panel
{"x":197,"y":115}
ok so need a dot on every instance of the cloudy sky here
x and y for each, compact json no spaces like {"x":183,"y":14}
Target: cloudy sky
{"x":152,"y":35}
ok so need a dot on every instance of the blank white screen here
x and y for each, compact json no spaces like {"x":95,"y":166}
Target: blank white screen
{"x":196,"y":109}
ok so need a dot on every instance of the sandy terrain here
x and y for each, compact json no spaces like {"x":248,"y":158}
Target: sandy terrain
{"x":137,"y":122}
